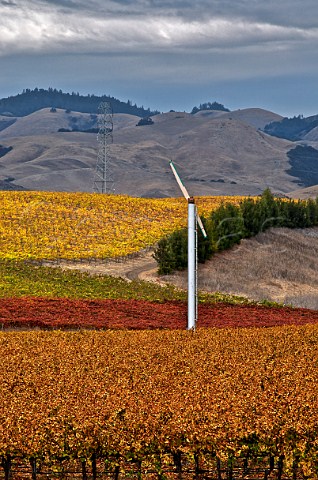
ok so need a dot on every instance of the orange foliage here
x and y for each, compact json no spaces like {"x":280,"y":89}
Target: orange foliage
{"x":231,"y":392}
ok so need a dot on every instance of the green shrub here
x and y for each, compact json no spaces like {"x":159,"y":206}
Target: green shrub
{"x":229,"y":223}
{"x":227,"y":227}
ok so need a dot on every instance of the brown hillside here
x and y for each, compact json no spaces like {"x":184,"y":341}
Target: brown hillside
{"x":305,"y":193}
{"x":279,"y":265}
{"x":44,"y":122}
{"x":215,"y":156}
{"x":256,"y":117}
{"x":312,"y":136}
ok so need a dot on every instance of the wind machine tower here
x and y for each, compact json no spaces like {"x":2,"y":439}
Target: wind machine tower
{"x":103,"y":181}
{"x":193,"y":220}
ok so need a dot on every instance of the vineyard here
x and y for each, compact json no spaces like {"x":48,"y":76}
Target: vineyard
{"x":105,"y":400}
{"x":45,"y":225}
{"x":137,"y":314}
{"x":100,"y":379}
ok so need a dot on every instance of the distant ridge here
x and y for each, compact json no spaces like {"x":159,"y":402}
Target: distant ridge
{"x":9,"y":185}
{"x":30,"y":101}
{"x":293,"y":129}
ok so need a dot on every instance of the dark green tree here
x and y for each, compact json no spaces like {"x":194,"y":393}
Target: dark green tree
{"x":205,"y":249}
{"x":171,"y":252}
{"x":250,"y":221}
{"x":164,"y":257}
{"x":312,"y":212}
{"x":179,"y":246}
{"x":227,"y":226}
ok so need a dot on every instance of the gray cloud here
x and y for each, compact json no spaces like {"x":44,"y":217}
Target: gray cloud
{"x":164,"y":43}
{"x":63,"y":3}
{"x":284,"y":12}
{"x":44,"y":27}
{"x":8,"y":3}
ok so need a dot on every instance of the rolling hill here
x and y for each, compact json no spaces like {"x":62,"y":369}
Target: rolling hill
{"x":217,"y":153}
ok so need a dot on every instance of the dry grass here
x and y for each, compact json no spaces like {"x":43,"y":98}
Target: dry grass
{"x":215,"y":156}
{"x":305,"y":193}
{"x":279,"y":265}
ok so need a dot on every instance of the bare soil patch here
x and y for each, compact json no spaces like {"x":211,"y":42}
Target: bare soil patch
{"x":137,"y":267}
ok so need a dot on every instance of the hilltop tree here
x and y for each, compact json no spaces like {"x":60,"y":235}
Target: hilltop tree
{"x":209,"y":106}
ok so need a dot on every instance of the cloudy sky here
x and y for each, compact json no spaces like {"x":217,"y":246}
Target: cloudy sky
{"x":166,"y":54}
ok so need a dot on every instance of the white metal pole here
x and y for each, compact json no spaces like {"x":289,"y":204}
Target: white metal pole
{"x":196,"y":264}
{"x":192,"y":284}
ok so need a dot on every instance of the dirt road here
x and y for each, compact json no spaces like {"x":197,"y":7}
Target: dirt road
{"x":139,"y":267}
{"x":279,"y":265}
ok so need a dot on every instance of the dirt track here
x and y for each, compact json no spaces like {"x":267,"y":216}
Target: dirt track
{"x":279,"y":265}
{"x":141,"y":267}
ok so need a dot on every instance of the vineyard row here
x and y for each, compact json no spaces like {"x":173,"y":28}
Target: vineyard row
{"x":46,"y":225}
{"x":229,"y":394}
{"x":174,"y":466}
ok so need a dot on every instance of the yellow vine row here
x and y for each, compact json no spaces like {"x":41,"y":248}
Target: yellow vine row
{"x":46,"y":225}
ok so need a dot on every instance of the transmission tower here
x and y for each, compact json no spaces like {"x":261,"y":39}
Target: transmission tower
{"x":103,"y":181}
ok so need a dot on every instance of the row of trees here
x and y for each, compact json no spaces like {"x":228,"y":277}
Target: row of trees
{"x":229,"y":223}
{"x":30,"y":101}
{"x":210,"y":106}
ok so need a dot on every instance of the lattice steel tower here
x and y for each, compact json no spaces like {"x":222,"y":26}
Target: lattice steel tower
{"x":103,"y":181}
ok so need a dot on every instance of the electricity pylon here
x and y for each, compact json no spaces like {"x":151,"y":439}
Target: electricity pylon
{"x":103,"y":181}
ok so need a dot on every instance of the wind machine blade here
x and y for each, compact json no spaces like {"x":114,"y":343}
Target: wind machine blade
{"x":187,"y":196}
{"x":179,"y":181}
